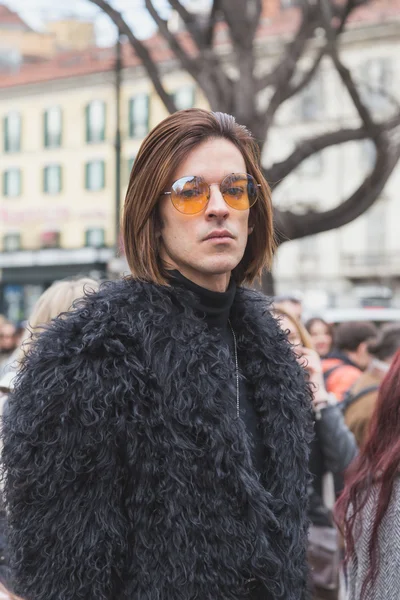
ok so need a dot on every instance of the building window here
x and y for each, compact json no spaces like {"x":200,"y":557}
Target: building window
{"x":50,"y":239}
{"x":368,"y":154}
{"x":95,"y":237}
{"x":12,"y":132}
{"x":376,"y":77}
{"x":12,"y":183}
{"x":139,"y":116}
{"x":95,"y":175}
{"x":95,"y":121}
{"x":184,"y":97}
{"x":311,"y":100}
{"x":312,"y":166}
{"x":376,"y":229}
{"x":11,"y":242}
{"x":52,"y":179}
{"x":52,"y":127}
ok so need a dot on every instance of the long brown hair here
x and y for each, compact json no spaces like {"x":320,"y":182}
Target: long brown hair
{"x":159,"y":156}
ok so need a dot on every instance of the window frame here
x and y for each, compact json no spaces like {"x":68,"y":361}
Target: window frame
{"x":6,"y":174}
{"x":8,"y":149}
{"x":193,"y":94}
{"x":88,"y":165}
{"x":46,"y":139}
{"x":8,"y":236}
{"x":88,"y":231}
{"x":131,"y":121}
{"x":46,"y":169}
{"x":90,"y":139}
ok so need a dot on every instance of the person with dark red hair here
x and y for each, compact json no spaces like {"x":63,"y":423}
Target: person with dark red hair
{"x":368,"y":511}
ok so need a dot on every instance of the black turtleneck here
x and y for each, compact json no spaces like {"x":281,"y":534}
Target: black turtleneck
{"x":215,"y":308}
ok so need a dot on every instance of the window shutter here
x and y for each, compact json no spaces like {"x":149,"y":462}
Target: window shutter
{"x":147,"y":113}
{"x":5,"y":183}
{"x":46,"y":130}
{"x":87,"y":176}
{"x":60,"y":178}
{"x":45,"y":180}
{"x":103,"y":174}
{"x":6,"y":138}
{"x":103,"y":130}
{"x":61,"y":129}
{"x":87,"y":111}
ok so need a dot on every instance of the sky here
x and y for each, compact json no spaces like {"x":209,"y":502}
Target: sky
{"x":37,"y":12}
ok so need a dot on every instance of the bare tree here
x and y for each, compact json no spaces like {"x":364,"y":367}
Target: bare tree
{"x":238,"y":93}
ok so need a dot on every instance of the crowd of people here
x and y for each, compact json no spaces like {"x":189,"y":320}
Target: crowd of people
{"x":176,"y":435}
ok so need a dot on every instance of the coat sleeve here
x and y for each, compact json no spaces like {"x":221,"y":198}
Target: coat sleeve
{"x":337,"y":442}
{"x":63,"y":470}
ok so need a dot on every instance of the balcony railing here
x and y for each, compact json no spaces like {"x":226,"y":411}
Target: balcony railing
{"x":371,"y":265}
{"x":54,"y":256}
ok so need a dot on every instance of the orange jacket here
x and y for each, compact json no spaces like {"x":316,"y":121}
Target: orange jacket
{"x":340,"y":380}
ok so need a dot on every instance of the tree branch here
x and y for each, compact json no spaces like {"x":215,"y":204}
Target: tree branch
{"x":190,"y":21}
{"x":344,"y":73}
{"x":292,"y":53}
{"x":307,"y":148}
{"x":141,"y":51}
{"x":297,"y":226}
{"x":205,"y":69}
{"x":191,"y":65}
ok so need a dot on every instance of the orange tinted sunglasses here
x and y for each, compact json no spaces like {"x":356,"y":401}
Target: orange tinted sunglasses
{"x":191,"y":194}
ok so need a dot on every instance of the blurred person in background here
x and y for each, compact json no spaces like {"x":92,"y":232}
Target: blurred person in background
{"x":292,"y":303}
{"x":368,"y":512}
{"x":332,"y":450}
{"x":359,"y":403}
{"x":158,"y":435}
{"x":58,"y":298}
{"x":321,"y":334}
{"x":349,"y":357}
{"x":6,"y":595}
{"x":8,"y":344}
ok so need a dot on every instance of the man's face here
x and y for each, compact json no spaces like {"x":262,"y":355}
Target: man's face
{"x":185,"y":242}
{"x":7,"y":337}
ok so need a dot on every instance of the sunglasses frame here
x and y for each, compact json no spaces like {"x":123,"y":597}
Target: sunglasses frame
{"x":258,"y":185}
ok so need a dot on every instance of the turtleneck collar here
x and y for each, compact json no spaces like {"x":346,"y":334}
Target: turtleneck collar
{"x":215,"y":306}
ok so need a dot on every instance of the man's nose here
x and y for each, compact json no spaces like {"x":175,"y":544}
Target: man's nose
{"x":216,"y":207}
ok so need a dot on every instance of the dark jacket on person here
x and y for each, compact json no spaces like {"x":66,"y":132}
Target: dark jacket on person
{"x":128,"y":475}
{"x":332,"y":450}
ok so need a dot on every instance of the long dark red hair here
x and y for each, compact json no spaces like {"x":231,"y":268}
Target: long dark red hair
{"x":377,"y":463}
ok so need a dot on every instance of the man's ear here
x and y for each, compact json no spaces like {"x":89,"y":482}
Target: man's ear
{"x":362,"y":348}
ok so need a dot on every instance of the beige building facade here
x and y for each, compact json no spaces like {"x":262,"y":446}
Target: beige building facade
{"x":57,"y":167}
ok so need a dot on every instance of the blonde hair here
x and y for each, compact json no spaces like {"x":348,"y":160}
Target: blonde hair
{"x":55,"y":301}
{"x":4,"y":593}
{"x":306,"y":340}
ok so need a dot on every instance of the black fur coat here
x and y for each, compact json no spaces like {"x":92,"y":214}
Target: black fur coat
{"x":127,"y":475}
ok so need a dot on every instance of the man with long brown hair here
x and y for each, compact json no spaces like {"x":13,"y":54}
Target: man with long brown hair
{"x":157,"y":442}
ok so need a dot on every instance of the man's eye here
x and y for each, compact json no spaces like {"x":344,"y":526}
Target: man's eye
{"x":187,"y":194}
{"x":235,"y":191}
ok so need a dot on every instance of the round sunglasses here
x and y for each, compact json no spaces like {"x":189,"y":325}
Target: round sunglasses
{"x":190,"y":194}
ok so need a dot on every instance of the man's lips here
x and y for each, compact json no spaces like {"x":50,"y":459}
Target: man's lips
{"x":219,"y":234}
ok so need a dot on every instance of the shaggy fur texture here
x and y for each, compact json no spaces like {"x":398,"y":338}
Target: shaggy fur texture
{"x":128,"y":476}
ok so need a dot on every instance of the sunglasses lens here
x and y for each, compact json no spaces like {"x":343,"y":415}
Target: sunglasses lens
{"x":189,"y":195}
{"x":239,"y":190}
